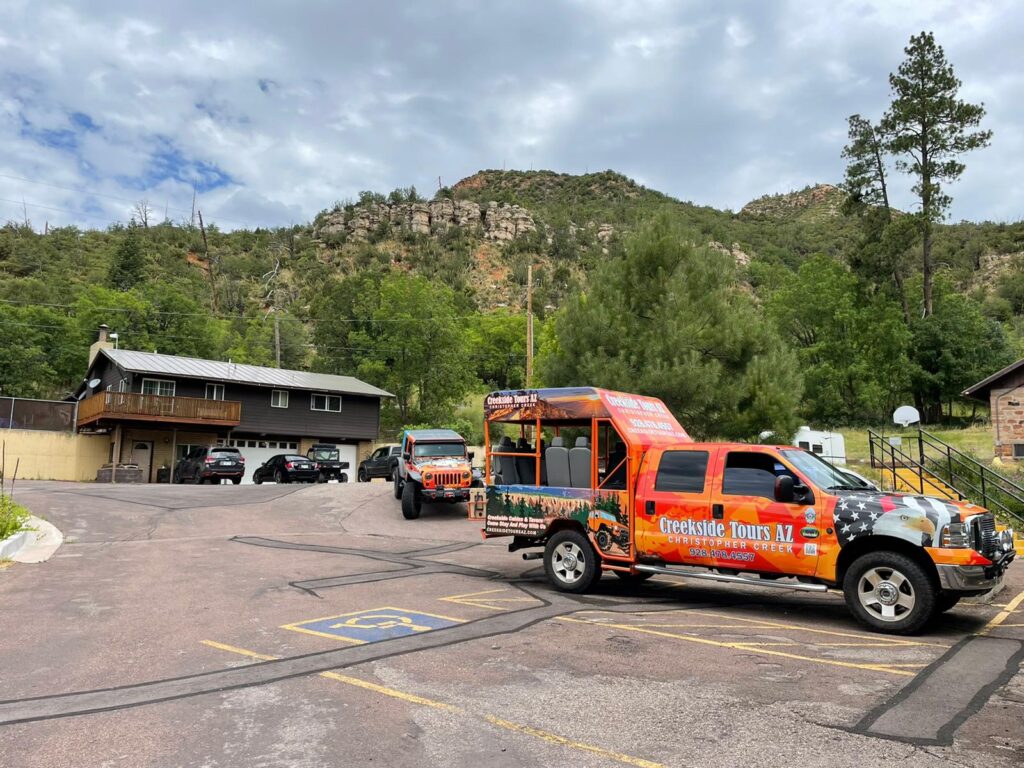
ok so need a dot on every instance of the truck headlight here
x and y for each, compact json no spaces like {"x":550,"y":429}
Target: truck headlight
{"x":956,"y":536}
{"x":1006,"y":540}
{"x":427,"y":477}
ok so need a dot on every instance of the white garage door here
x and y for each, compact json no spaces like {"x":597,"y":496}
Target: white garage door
{"x":255,"y":452}
{"x":349,"y":453}
{"x":258,"y":451}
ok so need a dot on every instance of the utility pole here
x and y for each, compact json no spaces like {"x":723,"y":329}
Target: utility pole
{"x":529,"y":326}
{"x":277,"y":339}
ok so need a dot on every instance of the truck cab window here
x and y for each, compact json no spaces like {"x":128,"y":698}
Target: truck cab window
{"x":752,"y":474}
{"x":682,"y":471}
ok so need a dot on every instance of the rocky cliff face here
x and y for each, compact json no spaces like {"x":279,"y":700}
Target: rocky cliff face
{"x":822,"y":200}
{"x":499,"y":223}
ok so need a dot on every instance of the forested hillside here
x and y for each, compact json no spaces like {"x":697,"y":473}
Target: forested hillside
{"x":742,"y":321}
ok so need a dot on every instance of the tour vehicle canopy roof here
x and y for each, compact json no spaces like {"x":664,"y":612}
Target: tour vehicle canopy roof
{"x":642,"y":421}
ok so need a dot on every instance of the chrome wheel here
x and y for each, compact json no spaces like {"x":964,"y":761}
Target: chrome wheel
{"x":569,"y":562}
{"x":886,"y":594}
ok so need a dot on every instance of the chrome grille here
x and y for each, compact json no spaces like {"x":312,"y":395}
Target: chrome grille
{"x":989,"y":539}
{"x":983,"y":534}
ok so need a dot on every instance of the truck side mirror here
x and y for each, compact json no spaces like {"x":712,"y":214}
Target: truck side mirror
{"x":405,"y":456}
{"x":472,"y":456}
{"x":784,"y":489}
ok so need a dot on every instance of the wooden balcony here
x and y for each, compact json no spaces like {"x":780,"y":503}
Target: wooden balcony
{"x":132,"y":406}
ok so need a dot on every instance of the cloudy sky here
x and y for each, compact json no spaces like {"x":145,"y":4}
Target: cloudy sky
{"x":275,"y":110}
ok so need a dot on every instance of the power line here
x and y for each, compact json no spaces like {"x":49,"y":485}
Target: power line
{"x":259,"y":316}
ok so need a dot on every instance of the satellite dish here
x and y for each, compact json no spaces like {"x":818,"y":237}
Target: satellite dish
{"x":906,"y":415}
{"x":94,"y":383}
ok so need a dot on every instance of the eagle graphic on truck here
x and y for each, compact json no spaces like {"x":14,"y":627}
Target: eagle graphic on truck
{"x":610,"y":481}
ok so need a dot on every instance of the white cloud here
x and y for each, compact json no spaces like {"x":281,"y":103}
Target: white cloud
{"x":281,"y":111}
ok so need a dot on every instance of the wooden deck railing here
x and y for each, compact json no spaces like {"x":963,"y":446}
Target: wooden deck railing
{"x":132,"y":405}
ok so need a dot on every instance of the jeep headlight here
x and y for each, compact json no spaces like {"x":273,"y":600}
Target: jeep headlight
{"x":427,"y":477}
{"x":956,"y":536}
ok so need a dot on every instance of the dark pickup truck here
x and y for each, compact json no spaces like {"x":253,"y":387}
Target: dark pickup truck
{"x":328,"y":463}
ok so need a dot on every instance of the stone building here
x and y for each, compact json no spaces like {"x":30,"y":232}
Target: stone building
{"x":1004,"y":393}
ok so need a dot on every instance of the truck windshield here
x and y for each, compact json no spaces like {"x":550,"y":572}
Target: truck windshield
{"x":326,"y":454}
{"x":439,"y":449}
{"x":820,"y":472}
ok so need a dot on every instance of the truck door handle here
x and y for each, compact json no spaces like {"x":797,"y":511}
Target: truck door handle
{"x":717,"y":511}
{"x":650,"y":508}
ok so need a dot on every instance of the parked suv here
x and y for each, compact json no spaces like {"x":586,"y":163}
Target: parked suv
{"x":211,"y":463}
{"x":381,"y":463}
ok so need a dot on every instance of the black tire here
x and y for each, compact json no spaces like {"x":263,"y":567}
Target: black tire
{"x":398,"y":487}
{"x":197,"y":479}
{"x":392,"y":473}
{"x":362,"y":476}
{"x":257,"y":479}
{"x":236,"y":481}
{"x":412,"y":502}
{"x":565,"y":552}
{"x":946,"y":601}
{"x":633,"y":578}
{"x":342,"y":478}
{"x":902,"y":600}
{"x":321,"y":477}
{"x":278,"y":477}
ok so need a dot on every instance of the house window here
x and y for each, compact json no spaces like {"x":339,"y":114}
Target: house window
{"x":214,"y":391}
{"x":161,"y":387}
{"x":320,"y":402}
{"x":279,"y":398}
{"x":1018,"y":450}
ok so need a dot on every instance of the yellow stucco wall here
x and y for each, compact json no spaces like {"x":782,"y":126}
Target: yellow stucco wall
{"x":163,"y":442}
{"x":54,"y":455}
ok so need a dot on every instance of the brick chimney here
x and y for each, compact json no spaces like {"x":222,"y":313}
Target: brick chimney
{"x":100,"y":343}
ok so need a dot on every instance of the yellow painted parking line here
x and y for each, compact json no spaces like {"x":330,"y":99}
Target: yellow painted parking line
{"x":760,"y":645}
{"x":305,"y":631}
{"x":508,"y":725}
{"x":240,"y":651}
{"x":553,"y":738}
{"x":999,"y":618}
{"x":740,"y":647}
{"x":768,"y":624}
{"x":479,"y":599}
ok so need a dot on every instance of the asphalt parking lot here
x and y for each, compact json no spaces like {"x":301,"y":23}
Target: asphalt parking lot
{"x":313,"y":626}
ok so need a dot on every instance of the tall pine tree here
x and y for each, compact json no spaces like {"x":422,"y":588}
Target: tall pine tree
{"x":129,"y":265}
{"x":928,"y":128}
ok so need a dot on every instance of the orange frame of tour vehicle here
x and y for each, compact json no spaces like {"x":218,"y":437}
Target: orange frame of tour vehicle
{"x":633,"y":525}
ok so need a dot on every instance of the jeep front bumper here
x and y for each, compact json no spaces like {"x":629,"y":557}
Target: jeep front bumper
{"x":445,"y":494}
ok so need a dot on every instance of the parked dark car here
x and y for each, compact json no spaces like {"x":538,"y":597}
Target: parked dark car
{"x":286,"y":468}
{"x":380,"y":463}
{"x":328,"y":462}
{"x":210,"y":463}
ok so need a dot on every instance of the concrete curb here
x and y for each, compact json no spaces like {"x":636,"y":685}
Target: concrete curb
{"x":33,"y":546}
{"x":12,"y":545}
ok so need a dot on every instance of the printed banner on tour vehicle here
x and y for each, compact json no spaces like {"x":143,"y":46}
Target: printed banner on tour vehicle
{"x":517,"y":511}
{"x":641,"y":420}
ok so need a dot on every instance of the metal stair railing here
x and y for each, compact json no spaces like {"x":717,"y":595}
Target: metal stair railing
{"x":889,"y":458}
{"x":970,"y":477}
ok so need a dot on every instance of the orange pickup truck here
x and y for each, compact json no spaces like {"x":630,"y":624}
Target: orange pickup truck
{"x":609,"y":481}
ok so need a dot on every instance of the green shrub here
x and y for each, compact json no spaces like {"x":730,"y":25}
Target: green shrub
{"x":13,"y":517}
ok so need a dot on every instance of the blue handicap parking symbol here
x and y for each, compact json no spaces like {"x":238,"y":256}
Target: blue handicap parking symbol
{"x":373,"y":625}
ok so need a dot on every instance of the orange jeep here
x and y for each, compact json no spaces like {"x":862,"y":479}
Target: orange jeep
{"x":434,"y":466}
{"x":608,"y":481}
